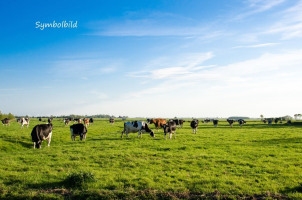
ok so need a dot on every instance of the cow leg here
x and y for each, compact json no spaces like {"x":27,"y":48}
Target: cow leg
{"x":34,"y":145}
{"x":49,"y":139}
{"x":165,"y":136}
{"x":170,"y":135}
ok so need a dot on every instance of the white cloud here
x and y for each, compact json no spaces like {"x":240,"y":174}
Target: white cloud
{"x":256,"y":45}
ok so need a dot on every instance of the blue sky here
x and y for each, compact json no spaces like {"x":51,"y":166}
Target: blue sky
{"x":165,"y":58}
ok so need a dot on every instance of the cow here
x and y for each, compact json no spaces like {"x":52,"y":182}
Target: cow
{"x":41,"y":132}
{"x":49,"y":120}
{"x":179,"y":122}
{"x":270,"y":122}
{"x":66,"y":121}
{"x":91,"y":121}
{"x":86,"y":122}
{"x":77,"y":120}
{"x":40,"y":119}
{"x":231,"y":122}
{"x":78,"y":129}
{"x":194,"y":125}
{"x":264,"y":121}
{"x":19,"y":120}
{"x":5,"y":121}
{"x":170,"y":128}
{"x":215,"y":122}
{"x":111,"y":120}
{"x":137,"y":126}
{"x":206,"y":121}
{"x":241,"y":122}
{"x":158,"y":122}
{"x":24,"y":121}
{"x":124,"y":118}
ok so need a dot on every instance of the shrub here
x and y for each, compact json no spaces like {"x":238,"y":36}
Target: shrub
{"x":78,"y":179}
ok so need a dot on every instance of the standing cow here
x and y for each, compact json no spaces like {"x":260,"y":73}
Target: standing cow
{"x":136,"y":126}
{"x":24,"y":121}
{"x":179,"y":122}
{"x":91,"y":121}
{"x":41,"y":132}
{"x":158,"y":122}
{"x":111,"y":120}
{"x":170,"y":128}
{"x":86,"y":122}
{"x":194,"y":125}
{"x":78,"y":129}
{"x":215,"y":123}
{"x":5,"y":121}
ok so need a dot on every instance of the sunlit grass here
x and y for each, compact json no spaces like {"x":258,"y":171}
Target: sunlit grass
{"x":224,"y":162}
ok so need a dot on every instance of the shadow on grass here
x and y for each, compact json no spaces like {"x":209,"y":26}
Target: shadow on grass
{"x":24,"y":144}
{"x":281,"y":141}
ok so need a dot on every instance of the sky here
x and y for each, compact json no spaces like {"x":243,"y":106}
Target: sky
{"x":159,"y":58}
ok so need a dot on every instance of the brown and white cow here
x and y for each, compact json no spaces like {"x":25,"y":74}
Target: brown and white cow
{"x":86,"y":122}
{"x":41,"y":132}
{"x":158,"y":122}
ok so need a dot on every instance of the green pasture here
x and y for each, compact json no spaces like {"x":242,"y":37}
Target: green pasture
{"x":256,"y":161}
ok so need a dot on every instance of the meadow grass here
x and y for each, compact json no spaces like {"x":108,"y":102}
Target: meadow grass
{"x":255,"y":161}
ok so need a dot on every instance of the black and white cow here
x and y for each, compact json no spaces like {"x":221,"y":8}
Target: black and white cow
{"x":41,"y":132}
{"x":179,"y":122}
{"x":241,"y":122}
{"x":137,"y":126}
{"x":194,"y":125}
{"x":5,"y":121}
{"x":170,"y":128}
{"x":24,"y":121}
{"x":206,"y":121}
{"x":49,"y":120}
{"x":78,"y":129}
{"x":231,"y":122}
{"x":215,"y":122}
{"x":91,"y":121}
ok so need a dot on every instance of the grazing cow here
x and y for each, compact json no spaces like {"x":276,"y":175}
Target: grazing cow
{"x":241,"y":122}
{"x":137,"y":126}
{"x":194,"y":125}
{"x":158,"y":122}
{"x":170,"y":128}
{"x":41,"y":132}
{"x":24,"y":121}
{"x":111,"y":120}
{"x":78,"y":129}
{"x":215,"y":122}
{"x":231,"y":122}
{"x":276,"y":120}
{"x":270,"y":122}
{"x":40,"y":119}
{"x":19,"y":120}
{"x":86,"y":122}
{"x":264,"y":121}
{"x":181,"y":122}
{"x":206,"y":121}
{"x":91,"y":121}
{"x":5,"y":121}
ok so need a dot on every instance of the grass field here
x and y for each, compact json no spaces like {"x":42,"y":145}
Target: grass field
{"x":256,"y":161}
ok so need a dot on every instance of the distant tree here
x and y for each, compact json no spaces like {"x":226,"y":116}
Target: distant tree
{"x":261,"y":116}
{"x":10,"y":116}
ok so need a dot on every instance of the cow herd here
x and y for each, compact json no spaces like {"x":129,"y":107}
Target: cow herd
{"x":44,"y":131}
